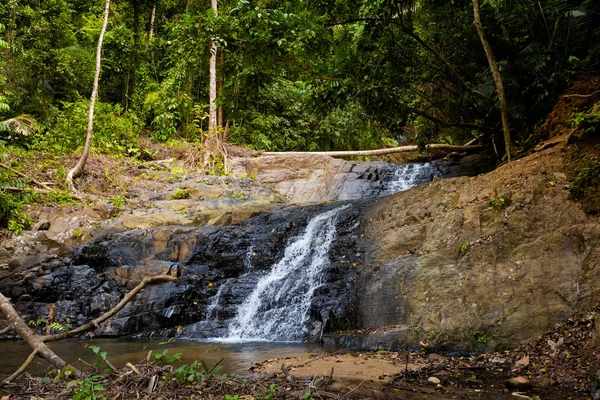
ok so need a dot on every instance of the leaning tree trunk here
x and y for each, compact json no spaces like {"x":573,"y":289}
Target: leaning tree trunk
{"x":77,"y":169}
{"x":497,"y":78}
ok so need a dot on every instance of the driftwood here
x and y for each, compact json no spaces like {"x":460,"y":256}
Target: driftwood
{"x":38,"y":342}
{"x":378,"y":152}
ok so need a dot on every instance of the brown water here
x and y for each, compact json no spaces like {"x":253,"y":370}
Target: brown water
{"x":237,"y":357}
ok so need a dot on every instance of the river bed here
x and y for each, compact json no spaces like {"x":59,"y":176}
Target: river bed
{"x":237,"y":357}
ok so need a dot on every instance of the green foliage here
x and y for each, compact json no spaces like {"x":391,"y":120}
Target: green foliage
{"x":118,"y":201}
{"x":180,"y":194}
{"x":497,"y":201}
{"x":590,"y":122}
{"x":14,"y":193}
{"x":58,"y":197}
{"x":464,"y":247}
{"x":101,"y":358}
{"x":238,"y":196}
{"x":87,"y":389}
{"x":483,"y":337}
{"x":115,"y":131}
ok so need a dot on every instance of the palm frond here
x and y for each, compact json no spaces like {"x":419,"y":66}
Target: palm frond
{"x":23,"y":125}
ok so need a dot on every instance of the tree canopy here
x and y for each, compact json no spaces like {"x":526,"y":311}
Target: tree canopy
{"x":294,"y":75}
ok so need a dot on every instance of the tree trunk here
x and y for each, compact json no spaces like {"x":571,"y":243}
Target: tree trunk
{"x":151,"y":30}
{"x":214,"y":154}
{"x":497,"y":78}
{"x":212,"y":119}
{"x":220,"y":92}
{"x":76,"y":171}
{"x":378,"y":152}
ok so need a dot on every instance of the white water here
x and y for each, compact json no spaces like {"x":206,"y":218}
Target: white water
{"x":278,"y":307}
{"x":409,"y":175}
{"x":211,"y":310}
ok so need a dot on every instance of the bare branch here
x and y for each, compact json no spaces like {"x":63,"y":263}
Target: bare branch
{"x":5,"y":330}
{"x":21,"y":368}
{"x":22,"y":175}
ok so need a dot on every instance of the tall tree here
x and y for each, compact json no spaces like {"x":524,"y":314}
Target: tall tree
{"x":78,"y":168}
{"x":497,"y":77}
{"x":213,"y":151}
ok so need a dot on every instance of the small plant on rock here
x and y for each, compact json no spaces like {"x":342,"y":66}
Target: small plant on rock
{"x":180,"y":194}
{"x":497,"y":202}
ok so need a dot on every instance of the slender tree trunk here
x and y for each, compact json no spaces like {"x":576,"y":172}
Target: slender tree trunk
{"x":151,"y":30}
{"x":212,"y":119}
{"x":497,"y":78}
{"x":77,"y":169}
{"x":220,"y":91}
{"x":213,"y":151}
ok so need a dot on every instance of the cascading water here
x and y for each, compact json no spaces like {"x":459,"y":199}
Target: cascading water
{"x":409,"y":175}
{"x":278,"y":307}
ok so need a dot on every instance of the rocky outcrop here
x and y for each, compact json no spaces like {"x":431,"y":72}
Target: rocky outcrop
{"x":73,"y":291}
{"x":313,"y":178}
{"x":466,"y":263}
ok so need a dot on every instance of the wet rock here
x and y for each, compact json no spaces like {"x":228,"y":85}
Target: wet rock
{"x":518,"y":383}
{"x":433,"y":380}
{"x":228,"y":259}
{"x":436,"y":358}
{"x":542,"y":381}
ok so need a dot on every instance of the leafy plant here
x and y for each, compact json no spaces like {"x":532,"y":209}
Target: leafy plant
{"x":180,"y":194}
{"x":101,"y":360}
{"x":238,"y":196}
{"x":497,"y":202}
{"x":464,"y":247}
{"x":483,"y":337}
{"x":118,"y":201}
{"x":88,"y":388}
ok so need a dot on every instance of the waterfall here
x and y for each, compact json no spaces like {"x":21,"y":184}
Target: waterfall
{"x":278,"y":307}
{"x":211,"y":310}
{"x":408,"y":175}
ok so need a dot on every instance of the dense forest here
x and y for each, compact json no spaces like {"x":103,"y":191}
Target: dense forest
{"x":292,"y":75}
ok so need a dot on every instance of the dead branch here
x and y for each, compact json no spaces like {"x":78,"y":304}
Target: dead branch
{"x":38,"y":342}
{"x":582,"y":95}
{"x":22,"y":368}
{"x":22,"y":175}
{"x":378,"y":152}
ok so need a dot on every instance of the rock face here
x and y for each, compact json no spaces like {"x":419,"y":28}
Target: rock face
{"x":466,"y":263}
{"x":314,"y":178}
{"x":206,"y":258}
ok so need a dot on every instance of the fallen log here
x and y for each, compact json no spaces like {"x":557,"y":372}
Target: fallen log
{"x":38,"y":342}
{"x":378,"y":152}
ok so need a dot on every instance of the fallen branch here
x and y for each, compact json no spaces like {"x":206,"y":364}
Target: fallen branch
{"x":378,"y":152}
{"x":22,"y":175}
{"x":38,"y":342}
{"x":582,"y":95}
